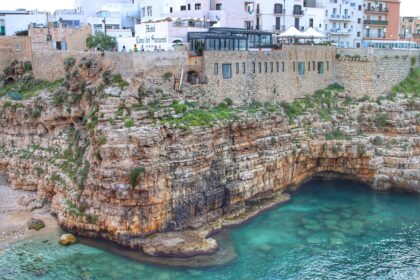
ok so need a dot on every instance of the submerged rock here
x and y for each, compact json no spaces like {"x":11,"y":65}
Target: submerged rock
{"x":35,"y":224}
{"x":67,"y":239}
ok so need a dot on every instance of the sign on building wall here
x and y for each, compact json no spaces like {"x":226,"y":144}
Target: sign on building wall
{"x":153,"y":36}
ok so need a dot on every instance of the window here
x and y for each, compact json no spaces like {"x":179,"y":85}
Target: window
{"x":359,"y":20}
{"x":171,"y":10}
{"x":282,"y":66}
{"x":266,"y":67}
{"x":17,"y":47}
{"x":259,"y":67}
{"x":301,"y":68}
{"x":328,"y":66}
{"x":227,"y":71}
{"x":183,"y":8}
{"x":313,"y":65}
{"x":149,"y":11}
{"x":218,"y":7}
{"x":358,"y":34}
{"x":197,"y":6}
{"x":311,"y":22}
{"x":278,"y":8}
{"x":244,"y":67}
{"x":237,"y":68}
{"x":360,"y":7}
{"x":271,"y":67}
{"x":278,"y":67}
{"x":189,"y":7}
{"x":294,"y":66}
{"x":321,"y":68}
{"x":253,"y":67}
{"x":216,"y":69}
{"x":309,"y":66}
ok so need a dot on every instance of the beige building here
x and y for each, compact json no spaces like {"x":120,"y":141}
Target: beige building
{"x":71,"y":39}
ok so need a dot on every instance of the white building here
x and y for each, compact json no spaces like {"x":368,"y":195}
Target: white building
{"x":344,"y":22}
{"x":19,"y":20}
{"x":278,"y":15}
{"x":340,"y":20}
{"x":227,"y":13}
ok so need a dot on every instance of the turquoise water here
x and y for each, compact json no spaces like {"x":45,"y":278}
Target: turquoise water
{"x":329,"y":230}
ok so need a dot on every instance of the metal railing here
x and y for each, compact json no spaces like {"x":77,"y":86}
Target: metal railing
{"x":340,"y":17}
{"x":341,"y":31}
{"x":374,"y":35}
{"x":378,"y":10}
{"x":376,"y":22}
{"x":298,"y":13}
{"x":279,"y":27}
{"x":279,"y":11}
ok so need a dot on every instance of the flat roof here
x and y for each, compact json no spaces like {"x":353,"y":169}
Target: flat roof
{"x":210,"y":35}
{"x":237,"y":30}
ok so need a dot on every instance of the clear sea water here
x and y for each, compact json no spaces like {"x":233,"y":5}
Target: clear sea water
{"x":329,"y":230}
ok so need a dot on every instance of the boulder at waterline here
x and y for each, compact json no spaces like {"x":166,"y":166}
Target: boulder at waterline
{"x":67,"y":239}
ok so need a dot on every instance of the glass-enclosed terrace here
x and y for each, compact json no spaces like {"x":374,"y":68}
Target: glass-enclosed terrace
{"x":234,"y":39}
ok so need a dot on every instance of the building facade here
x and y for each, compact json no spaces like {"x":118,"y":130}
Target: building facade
{"x":19,"y":20}
{"x":381,"y":20}
{"x":410,"y":29}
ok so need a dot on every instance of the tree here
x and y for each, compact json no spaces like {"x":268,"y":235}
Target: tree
{"x":101,"y":41}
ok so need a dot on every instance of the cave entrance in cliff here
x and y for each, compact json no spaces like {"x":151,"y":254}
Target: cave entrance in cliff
{"x":9,"y":80}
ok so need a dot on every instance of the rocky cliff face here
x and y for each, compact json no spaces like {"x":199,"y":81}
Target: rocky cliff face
{"x":117,"y":164}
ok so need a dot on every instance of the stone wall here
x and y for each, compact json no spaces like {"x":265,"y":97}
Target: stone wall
{"x":127,"y":64}
{"x":373,"y":76}
{"x":14,"y":47}
{"x":269,"y":76}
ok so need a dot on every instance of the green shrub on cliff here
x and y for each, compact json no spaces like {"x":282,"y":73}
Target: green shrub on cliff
{"x":381,"y":119}
{"x":135,"y":173}
{"x":409,"y":86}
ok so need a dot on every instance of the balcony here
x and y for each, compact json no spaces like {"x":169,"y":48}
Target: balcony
{"x":279,"y":11}
{"x":298,"y":13}
{"x":371,"y":35}
{"x":373,"y":10}
{"x":335,"y":17}
{"x":342,"y":31}
{"x":376,"y":22}
{"x":279,"y":28}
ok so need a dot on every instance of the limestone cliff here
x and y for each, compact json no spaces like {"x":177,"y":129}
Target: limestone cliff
{"x":125,"y":162}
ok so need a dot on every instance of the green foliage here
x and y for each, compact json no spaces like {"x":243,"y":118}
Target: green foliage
{"x":273,"y":141}
{"x":335,"y":87}
{"x":410,"y":86}
{"x":413,"y":60}
{"x":348,"y":100}
{"x":27,"y":66}
{"x":118,"y":80}
{"x":27,"y":87}
{"x":179,"y":107}
{"x":73,"y":162}
{"x":228,"y":101}
{"x":128,"y":123}
{"x":378,"y":141}
{"x":381,"y":119}
{"x":338,"y":147}
{"x":135,"y":173}
{"x":167,"y":76}
{"x":337,"y":135}
{"x":361,"y":150}
{"x":69,"y":62}
{"x":364,"y":98}
{"x":101,"y":42}
{"x":101,"y":140}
